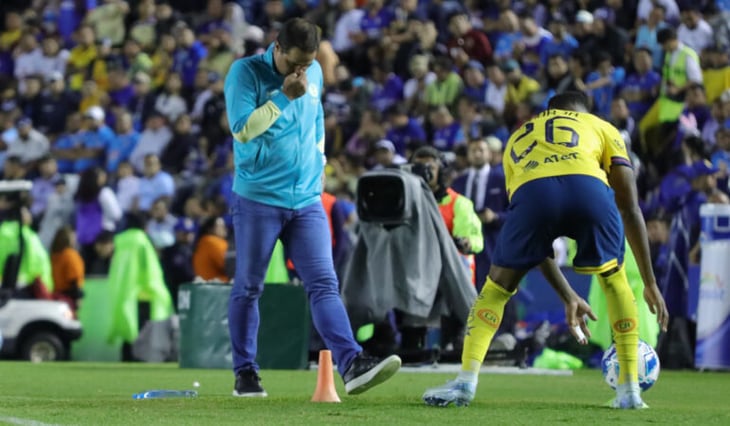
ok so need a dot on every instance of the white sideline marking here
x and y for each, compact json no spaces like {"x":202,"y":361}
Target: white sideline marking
{"x":455,"y":368}
{"x":22,"y":422}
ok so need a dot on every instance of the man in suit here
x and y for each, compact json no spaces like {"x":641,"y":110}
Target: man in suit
{"x":484,"y":185}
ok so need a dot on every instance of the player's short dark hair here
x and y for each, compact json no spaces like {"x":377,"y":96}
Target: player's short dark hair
{"x":570,"y":100}
{"x":299,"y":33}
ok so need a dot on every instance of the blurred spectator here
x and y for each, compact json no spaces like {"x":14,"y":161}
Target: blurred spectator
{"x":496,"y":92}
{"x":558,"y":78}
{"x":670,"y":7}
{"x":388,"y":87}
{"x":466,"y":42}
{"x":56,"y":104}
{"x":694,"y":32}
{"x":187,"y":56}
{"x":182,"y":144}
{"x":170,"y":102}
{"x":152,"y":141}
{"x":123,"y":144}
{"x":405,"y":132}
{"x":43,"y":186}
{"x":59,"y":212}
{"x":143,"y":103}
{"x":213,"y":110}
{"x":66,"y":146}
{"x":94,"y":141}
{"x":54,"y":58}
{"x":386,"y":156}
{"x":646,"y":35}
{"x":346,"y":27}
{"x":30,"y":99}
{"x":142,"y":31}
{"x":721,"y":159}
{"x":681,"y":68}
{"x":107,"y":20}
{"x":603,"y":82}
{"x":119,"y":88}
{"x":81,"y":57}
{"x":97,"y":210}
{"x":509,"y":37}
{"x":134,"y":59}
{"x":127,"y":186}
{"x":469,"y":118}
{"x":14,"y":168}
{"x":30,"y":146}
{"x":67,"y":267}
{"x":209,"y":255}
{"x":161,"y":225}
{"x":447,"y":132}
{"x":177,"y":259}
{"x":475,"y":83}
{"x":162,"y":59}
{"x":220,"y":56}
{"x":563,"y":43}
{"x":447,"y":87}
{"x":414,"y":90}
{"x":640,"y":87}
{"x":532,"y":45}
{"x":29,"y":59}
{"x":609,"y":38}
{"x":369,"y":131}
{"x":520,"y":87}
{"x":154,"y":184}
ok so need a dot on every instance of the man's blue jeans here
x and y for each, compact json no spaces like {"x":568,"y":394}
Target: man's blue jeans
{"x":306,"y":238}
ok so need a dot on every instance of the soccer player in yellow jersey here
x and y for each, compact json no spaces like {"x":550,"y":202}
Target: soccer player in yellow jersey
{"x":567,"y":174}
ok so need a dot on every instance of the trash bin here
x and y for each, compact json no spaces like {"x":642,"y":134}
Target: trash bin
{"x":283,"y":333}
{"x":713,"y":310}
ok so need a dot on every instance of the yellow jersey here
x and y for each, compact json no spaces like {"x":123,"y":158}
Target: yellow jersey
{"x":558,"y":143}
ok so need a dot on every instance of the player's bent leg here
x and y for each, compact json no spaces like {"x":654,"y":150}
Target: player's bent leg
{"x":624,"y":317}
{"x":482,"y":324}
{"x":307,"y":238}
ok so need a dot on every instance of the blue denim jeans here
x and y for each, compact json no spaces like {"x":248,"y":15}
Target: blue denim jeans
{"x":306,"y":238}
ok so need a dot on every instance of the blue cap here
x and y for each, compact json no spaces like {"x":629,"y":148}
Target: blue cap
{"x":475,"y":64}
{"x":510,"y":65}
{"x":703,"y":168}
{"x":23,"y":121}
{"x":185,"y":224}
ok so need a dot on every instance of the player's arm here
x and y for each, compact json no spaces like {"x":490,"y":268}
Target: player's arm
{"x":467,"y":224}
{"x":576,"y":308}
{"x":621,"y":178}
{"x":246,"y":120}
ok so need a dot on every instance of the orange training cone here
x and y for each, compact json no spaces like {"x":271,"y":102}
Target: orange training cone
{"x":325,"y":391}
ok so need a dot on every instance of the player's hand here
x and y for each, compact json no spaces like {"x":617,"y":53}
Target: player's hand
{"x":489,"y":216}
{"x":576,"y":310}
{"x":295,"y":85}
{"x":656,"y":305}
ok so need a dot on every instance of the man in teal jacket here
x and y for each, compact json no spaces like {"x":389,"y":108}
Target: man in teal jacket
{"x":274,"y":107}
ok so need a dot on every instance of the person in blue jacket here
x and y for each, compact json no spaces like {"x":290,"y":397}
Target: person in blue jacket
{"x":273,"y":102}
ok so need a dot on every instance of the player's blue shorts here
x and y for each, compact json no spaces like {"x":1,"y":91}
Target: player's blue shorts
{"x":575,"y":206}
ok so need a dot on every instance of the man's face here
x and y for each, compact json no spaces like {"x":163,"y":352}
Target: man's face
{"x":293,"y":60}
{"x":151,"y":166}
{"x":642,"y":61}
{"x":473,"y":77}
{"x":478,"y":154}
{"x":433,"y":164}
{"x":557,"y":66}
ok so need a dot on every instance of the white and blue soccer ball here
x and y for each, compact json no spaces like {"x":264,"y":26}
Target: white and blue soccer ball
{"x":648,"y":366}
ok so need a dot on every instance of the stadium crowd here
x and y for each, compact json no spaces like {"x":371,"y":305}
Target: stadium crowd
{"x":114,"y":106}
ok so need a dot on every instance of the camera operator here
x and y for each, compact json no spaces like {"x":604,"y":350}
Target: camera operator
{"x":462,"y":223}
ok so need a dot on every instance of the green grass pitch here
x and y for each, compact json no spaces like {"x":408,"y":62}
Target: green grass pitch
{"x":101,"y":394}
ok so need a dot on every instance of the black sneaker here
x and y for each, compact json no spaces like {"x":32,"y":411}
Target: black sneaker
{"x":366,"y":372}
{"x":248,"y":384}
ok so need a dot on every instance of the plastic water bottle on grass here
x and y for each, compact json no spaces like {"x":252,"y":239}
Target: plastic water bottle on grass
{"x":165,"y":393}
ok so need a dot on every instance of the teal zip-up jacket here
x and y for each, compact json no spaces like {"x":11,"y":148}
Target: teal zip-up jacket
{"x":278,"y":144}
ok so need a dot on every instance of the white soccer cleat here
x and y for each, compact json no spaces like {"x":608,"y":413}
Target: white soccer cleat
{"x":628,"y":401}
{"x":458,"y":392}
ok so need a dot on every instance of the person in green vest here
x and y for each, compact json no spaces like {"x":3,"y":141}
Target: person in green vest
{"x":35,"y":262}
{"x":680,"y":70}
{"x":136,"y":286}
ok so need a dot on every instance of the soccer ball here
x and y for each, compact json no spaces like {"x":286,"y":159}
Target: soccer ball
{"x":648,"y":366}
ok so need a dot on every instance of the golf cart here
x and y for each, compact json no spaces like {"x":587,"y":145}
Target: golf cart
{"x":31,"y":329}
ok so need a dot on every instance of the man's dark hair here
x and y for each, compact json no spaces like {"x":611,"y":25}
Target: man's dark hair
{"x":666,"y":34}
{"x":570,"y":100}
{"x":299,"y":33}
{"x":428,"y":152}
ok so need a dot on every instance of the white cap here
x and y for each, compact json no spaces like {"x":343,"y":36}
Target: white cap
{"x":493,"y":143}
{"x":584,"y":17}
{"x":385,"y":144}
{"x":95,"y":112}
